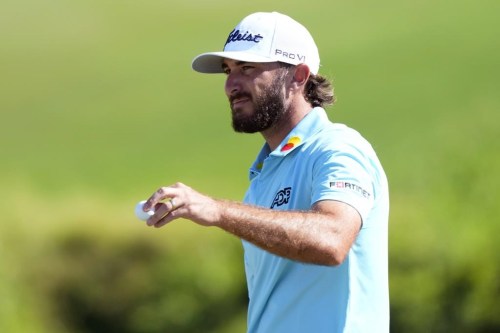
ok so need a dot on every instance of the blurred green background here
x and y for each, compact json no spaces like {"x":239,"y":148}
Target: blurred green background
{"x":99,"y":107}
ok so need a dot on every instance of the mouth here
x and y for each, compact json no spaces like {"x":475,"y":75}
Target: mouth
{"x":239,"y":100}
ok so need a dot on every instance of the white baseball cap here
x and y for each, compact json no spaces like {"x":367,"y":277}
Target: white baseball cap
{"x":264,"y":37}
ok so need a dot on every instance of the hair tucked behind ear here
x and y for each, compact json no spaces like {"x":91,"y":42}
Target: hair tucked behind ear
{"x":319,"y":91}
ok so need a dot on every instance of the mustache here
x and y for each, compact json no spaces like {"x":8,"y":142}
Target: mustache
{"x":238,"y":96}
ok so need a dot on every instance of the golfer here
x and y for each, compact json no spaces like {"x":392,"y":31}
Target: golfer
{"x":314,"y":221}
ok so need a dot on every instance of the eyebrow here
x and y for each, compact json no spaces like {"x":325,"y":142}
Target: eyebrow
{"x":237,"y":63}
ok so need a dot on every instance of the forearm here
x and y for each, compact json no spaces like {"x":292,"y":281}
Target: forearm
{"x":303,"y":236}
{"x":323,"y":235}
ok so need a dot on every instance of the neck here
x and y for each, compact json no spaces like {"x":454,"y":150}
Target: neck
{"x":277,"y":133}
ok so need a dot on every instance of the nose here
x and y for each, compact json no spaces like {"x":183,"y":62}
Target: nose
{"x":232,"y":85}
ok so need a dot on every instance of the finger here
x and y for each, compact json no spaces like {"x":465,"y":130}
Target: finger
{"x":172,"y":215}
{"x":161,"y":194}
{"x":173,"y":203}
{"x":162,"y":209}
{"x":162,"y":222}
{"x":167,"y":218}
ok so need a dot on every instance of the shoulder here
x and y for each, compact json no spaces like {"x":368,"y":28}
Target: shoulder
{"x":340,"y":147}
{"x":337,"y":138}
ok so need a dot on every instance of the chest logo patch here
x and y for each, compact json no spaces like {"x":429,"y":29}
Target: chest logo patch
{"x":282,"y":197}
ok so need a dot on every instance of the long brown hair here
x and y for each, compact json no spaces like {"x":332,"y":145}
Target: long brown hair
{"x":319,"y":91}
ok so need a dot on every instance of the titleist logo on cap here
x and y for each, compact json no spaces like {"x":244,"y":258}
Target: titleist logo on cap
{"x":236,"y":36}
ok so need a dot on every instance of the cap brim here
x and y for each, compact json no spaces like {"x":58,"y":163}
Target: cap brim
{"x":212,"y":62}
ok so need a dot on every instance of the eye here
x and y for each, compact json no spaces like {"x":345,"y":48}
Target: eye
{"x":226,"y":70}
{"x":246,"y":68}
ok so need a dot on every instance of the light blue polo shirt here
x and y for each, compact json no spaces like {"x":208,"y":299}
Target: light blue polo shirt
{"x":320,"y":160}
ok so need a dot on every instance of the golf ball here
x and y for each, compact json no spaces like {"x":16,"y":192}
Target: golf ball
{"x":142,"y":215}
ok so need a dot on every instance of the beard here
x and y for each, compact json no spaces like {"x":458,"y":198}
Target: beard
{"x":269,"y":109}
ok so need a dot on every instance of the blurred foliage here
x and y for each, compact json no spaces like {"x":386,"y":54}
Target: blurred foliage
{"x":82,"y":274}
{"x":99,"y":107}
{"x":137,"y":286}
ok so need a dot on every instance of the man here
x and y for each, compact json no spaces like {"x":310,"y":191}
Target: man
{"x":314,"y":221}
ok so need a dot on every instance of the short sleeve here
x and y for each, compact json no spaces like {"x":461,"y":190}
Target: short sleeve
{"x":344,"y":174}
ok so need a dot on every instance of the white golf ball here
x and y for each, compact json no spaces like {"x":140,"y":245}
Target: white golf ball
{"x":142,"y":215}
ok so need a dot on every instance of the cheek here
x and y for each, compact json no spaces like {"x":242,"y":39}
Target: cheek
{"x":260,"y":88}
{"x":227,"y":89}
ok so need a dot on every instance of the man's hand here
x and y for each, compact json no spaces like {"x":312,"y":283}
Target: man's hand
{"x":181,"y":201}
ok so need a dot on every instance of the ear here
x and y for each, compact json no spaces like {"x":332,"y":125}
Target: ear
{"x":301,"y":75}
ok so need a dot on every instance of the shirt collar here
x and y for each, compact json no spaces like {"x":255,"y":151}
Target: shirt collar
{"x":313,"y":122}
{"x":307,"y":127}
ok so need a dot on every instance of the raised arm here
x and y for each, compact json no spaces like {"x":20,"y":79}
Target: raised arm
{"x":322,"y":236}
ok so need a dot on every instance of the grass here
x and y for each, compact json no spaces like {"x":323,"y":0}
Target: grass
{"x":99,"y":107}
